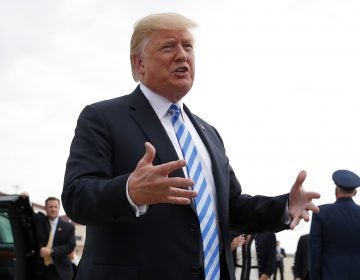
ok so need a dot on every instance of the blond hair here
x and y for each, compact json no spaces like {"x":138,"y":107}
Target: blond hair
{"x":145,"y":26}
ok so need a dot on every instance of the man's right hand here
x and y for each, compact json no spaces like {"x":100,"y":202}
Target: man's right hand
{"x":45,"y":251}
{"x":150,"y":184}
{"x":237,"y":242}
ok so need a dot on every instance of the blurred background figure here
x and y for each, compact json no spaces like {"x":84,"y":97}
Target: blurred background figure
{"x":57,"y":241}
{"x":301,"y":261}
{"x":335,"y":232}
{"x":280,"y":255}
{"x":254,"y":256}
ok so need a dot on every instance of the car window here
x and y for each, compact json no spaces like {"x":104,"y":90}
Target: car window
{"x":7,"y":247}
{"x":6,"y":234}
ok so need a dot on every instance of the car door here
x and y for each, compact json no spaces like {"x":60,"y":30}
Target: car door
{"x":19,"y":246}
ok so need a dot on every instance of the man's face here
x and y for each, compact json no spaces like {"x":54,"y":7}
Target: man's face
{"x":52,"y":209}
{"x":167,"y":64}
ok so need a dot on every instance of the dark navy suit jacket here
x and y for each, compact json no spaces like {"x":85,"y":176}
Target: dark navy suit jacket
{"x":164,"y":243}
{"x":335,"y":241}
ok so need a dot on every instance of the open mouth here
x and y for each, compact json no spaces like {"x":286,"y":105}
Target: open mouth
{"x":182,"y":69}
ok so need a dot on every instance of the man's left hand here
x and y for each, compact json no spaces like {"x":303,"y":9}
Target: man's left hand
{"x":300,"y":201}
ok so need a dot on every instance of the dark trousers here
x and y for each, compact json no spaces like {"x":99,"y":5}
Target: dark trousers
{"x":49,"y":273}
{"x":280,"y":266}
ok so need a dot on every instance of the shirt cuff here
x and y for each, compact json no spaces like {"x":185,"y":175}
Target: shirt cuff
{"x":286,"y":218}
{"x":138,"y":210}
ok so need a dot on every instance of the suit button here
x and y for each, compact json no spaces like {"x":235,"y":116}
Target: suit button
{"x":197,"y":273}
{"x":193,"y":227}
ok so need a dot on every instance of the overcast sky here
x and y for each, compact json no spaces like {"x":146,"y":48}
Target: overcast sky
{"x":278,"y":79}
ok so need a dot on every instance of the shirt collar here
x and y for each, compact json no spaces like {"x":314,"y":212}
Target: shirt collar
{"x":55,"y":221}
{"x":159,"y":103}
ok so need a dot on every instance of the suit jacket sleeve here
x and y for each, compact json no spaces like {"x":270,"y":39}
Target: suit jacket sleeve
{"x":92,"y":195}
{"x":257,"y":214}
{"x":315,"y":247}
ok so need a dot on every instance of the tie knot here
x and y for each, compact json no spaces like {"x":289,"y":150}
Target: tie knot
{"x":174,"y":109}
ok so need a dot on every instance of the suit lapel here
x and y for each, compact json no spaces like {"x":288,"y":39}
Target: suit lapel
{"x":58,"y":228}
{"x":148,"y":121}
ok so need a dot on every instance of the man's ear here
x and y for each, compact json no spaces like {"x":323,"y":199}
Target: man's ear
{"x":137,"y":61}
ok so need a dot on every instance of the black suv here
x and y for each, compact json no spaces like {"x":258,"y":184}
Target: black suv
{"x":19,"y":246}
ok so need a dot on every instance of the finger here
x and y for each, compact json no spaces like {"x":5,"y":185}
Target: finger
{"x":169,"y":167}
{"x":306,"y":216}
{"x":176,"y":192}
{"x":164,"y":169}
{"x":169,"y":184}
{"x":312,"y":207}
{"x":300,"y":179}
{"x":179,"y":196}
{"x":149,"y":155}
{"x":314,"y":195}
{"x":177,"y":200}
{"x":179,"y":182}
{"x":294,"y":223}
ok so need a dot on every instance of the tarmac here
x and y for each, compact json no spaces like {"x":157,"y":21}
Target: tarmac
{"x":288,"y":263}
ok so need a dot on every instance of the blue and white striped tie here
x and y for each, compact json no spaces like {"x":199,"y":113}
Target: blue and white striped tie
{"x":203,"y":202}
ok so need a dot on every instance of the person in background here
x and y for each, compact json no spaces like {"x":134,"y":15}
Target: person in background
{"x":57,"y":241}
{"x":280,"y":255}
{"x":254,"y":256}
{"x":151,"y":180}
{"x":301,"y":260}
{"x":335,"y":232}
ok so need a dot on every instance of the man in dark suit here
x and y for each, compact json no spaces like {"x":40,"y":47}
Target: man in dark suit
{"x":280,"y":255}
{"x":335,"y":232}
{"x":138,"y":203}
{"x":57,"y":241}
{"x":301,"y":260}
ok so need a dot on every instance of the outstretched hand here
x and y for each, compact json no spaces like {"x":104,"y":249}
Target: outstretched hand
{"x":150,"y":184}
{"x":300,"y":201}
